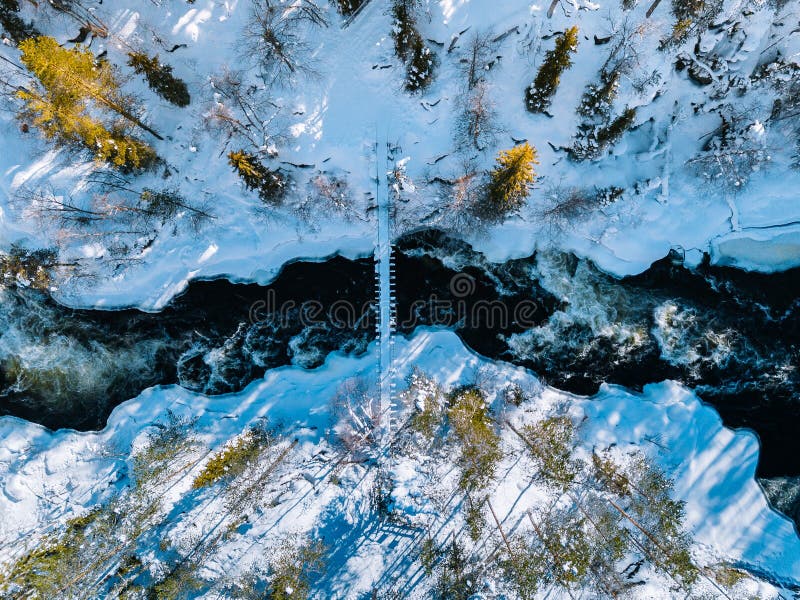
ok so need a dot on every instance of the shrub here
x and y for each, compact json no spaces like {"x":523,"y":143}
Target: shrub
{"x":512,"y":178}
{"x":514,"y":394}
{"x":733,"y":153}
{"x":468,"y":416}
{"x":563,"y":207}
{"x":332,"y":190}
{"x":599,"y":139}
{"x":235,"y":458}
{"x":160,"y":78}
{"x":540,"y":93}
{"x":270,"y":184}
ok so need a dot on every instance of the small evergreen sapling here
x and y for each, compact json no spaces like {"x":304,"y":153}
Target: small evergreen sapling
{"x":598,"y":97}
{"x":550,"y":442}
{"x":457,"y":577}
{"x":235,"y":458}
{"x":609,"y":135}
{"x":292,"y":569}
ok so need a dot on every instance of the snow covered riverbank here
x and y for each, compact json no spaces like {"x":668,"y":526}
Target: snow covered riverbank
{"x":47,"y":478}
{"x":331,"y":122}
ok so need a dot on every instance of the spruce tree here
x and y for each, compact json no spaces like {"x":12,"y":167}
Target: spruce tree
{"x":609,"y":135}
{"x":160,"y":78}
{"x":511,"y":179}
{"x":270,"y":184}
{"x":410,"y":47}
{"x":71,"y":88}
{"x":540,"y":93}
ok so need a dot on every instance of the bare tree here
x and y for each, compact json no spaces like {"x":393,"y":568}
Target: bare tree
{"x":357,"y":412}
{"x":478,"y":58}
{"x":564,"y":206}
{"x":476,"y":125}
{"x":460,"y":198}
{"x":242,"y":112}
{"x":737,"y":149}
{"x":276,"y":37}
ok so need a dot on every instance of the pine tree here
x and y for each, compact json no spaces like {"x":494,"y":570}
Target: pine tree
{"x":551,"y":442}
{"x":160,"y":78}
{"x":72,"y":86}
{"x":511,"y":179}
{"x":468,"y":416}
{"x":271,"y":185}
{"x":539,"y":94}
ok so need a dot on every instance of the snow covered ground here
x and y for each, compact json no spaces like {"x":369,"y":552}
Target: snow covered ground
{"x":48,"y":477}
{"x":338,"y":118}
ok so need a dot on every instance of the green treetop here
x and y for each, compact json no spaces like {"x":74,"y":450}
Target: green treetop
{"x":511,"y":179}
{"x":72,"y":89}
{"x":556,"y":61}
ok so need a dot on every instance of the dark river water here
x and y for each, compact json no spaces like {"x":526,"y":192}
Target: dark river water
{"x":732,"y":336}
